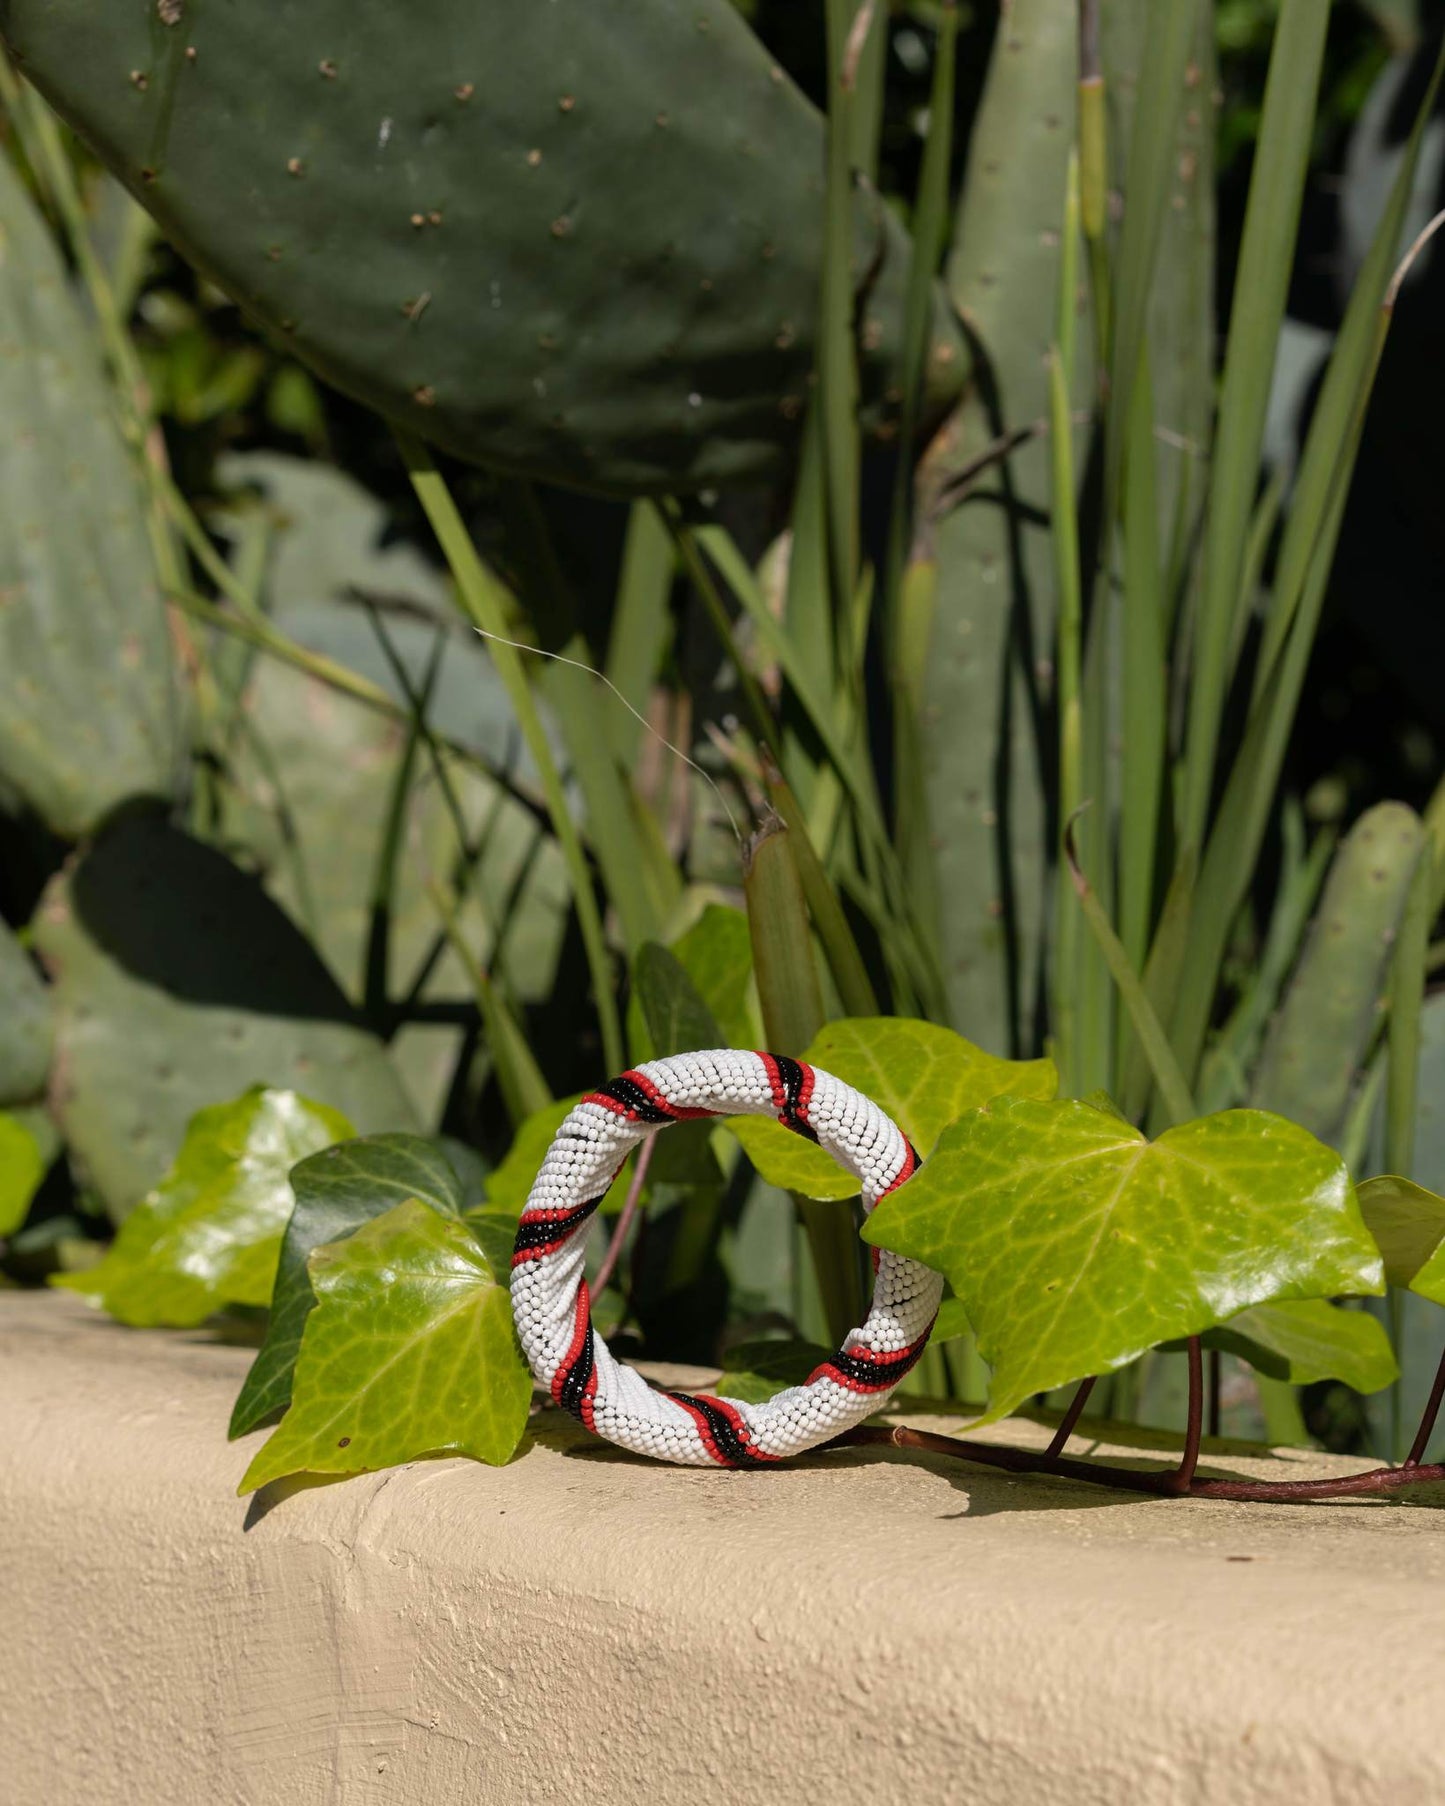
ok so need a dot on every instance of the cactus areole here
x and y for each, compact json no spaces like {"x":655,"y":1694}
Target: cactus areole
{"x":578,"y":240}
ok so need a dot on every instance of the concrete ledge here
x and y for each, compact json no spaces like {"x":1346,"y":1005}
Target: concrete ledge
{"x":583,"y":1626}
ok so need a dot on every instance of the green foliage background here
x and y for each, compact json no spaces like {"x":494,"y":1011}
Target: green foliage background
{"x":299,"y":828}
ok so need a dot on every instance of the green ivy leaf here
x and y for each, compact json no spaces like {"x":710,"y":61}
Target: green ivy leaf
{"x":924,"y":1076}
{"x":336,"y":1191}
{"x":951,"y":1322}
{"x":408,"y":1351}
{"x":717,"y":955}
{"x":755,"y":1371}
{"x":1075,"y":1244}
{"x":789,"y":1162}
{"x":678,"y":1021}
{"x":22,"y":1167}
{"x":210,"y":1233}
{"x":496,"y":1232}
{"x":1307,"y":1339}
{"x":1408,"y":1222}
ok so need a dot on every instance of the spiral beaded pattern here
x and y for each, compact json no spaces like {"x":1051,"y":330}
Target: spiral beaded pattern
{"x":552,"y":1308}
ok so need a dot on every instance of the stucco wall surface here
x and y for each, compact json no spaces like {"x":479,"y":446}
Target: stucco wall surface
{"x":584,"y":1626}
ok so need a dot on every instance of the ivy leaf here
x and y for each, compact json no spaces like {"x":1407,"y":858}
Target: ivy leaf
{"x":496,"y":1233}
{"x":717,"y":955}
{"x":1075,"y":1244}
{"x":924,"y":1076}
{"x":789,"y":1162}
{"x":22,"y":1167}
{"x":409,"y":1351}
{"x":210,"y":1233}
{"x":1408,"y":1222}
{"x":756,"y":1371}
{"x":678,"y":1021}
{"x":336,"y":1191}
{"x":951,"y":1322}
{"x":1307,"y":1339}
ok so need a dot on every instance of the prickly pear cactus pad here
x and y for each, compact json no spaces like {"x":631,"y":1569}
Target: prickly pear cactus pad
{"x":179,"y":984}
{"x":580,"y":239}
{"x":25,"y":1024}
{"x":89,"y":707}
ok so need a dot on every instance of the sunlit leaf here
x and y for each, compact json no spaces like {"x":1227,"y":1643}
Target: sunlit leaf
{"x":336,"y":1191}
{"x":1308,"y":1339}
{"x":22,"y":1167}
{"x":789,"y":1162}
{"x":1408,"y":1222}
{"x":409,"y":1350}
{"x":1075,"y":1244}
{"x":924,"y":1076}
{"x":210,"y":1233}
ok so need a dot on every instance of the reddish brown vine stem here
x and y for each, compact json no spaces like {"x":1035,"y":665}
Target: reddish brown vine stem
{"x":1427,"y":1421}
{"x":1071,"y":1417}
{"x":1179,"y":1482}
{"x":1194,"y":1424}
{"x":1126,"y":1479}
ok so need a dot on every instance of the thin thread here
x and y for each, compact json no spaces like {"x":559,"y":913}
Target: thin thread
{"x":579,"y":665}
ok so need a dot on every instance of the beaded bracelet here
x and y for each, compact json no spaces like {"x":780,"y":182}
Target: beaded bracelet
{"x":552,"y":1306}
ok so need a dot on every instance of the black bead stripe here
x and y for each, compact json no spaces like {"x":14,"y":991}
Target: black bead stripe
{"x":544,"y":1231}
{"x":627,"y":1092}
{"x":573,"y":1389}
{"x":728,"y":1442}
{"x":878,"y":1375}
{"x":791,"y":1073}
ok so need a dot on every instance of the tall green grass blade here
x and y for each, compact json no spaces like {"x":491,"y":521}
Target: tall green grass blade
{"x":1068,"y":976}
{"x":913,"y":622}
{"x":850,"y":975}
{"x":1261,"y":532}
{"x":809,"y":604}
{"x":641,"y":624}
{"x":376,"y":974}
{"x":1407,"y":995}
{"x":847,"y":762}
{"x":1266,"y":256}
{"x":866,"y":55}
{"x":1142,"y":765}
{"x":930,"y":230}
{"x":1092,"y":127}
{"x":519,"y":1078}
{"x":688,"y":543}
{"x":584,"y":712}
{"x":1163,"y":977}
{"x":1238,"y":833}
{"x":1173,"y":1086}
{"x":1349,"y":367}
{"x":1224,"y":1075}
{"x":850,"y":24}
{"x":483,"y":600}
{"x":1435,"y":828}
{"x":1169,"y":34}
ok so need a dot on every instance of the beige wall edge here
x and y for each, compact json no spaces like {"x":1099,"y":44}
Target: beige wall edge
{"x":581,"y":1626}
